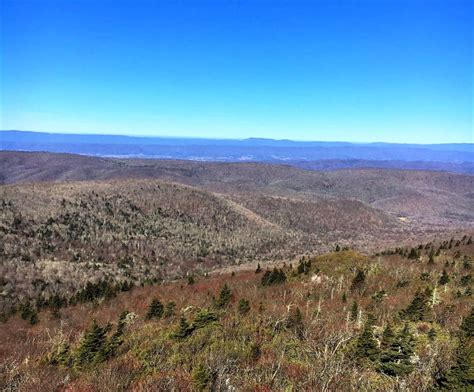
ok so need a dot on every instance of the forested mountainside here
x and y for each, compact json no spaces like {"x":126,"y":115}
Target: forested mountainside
{"x":434,"y":198}
{"x":399,"y":319}
{"x":176,"y":275}
{"x":141,"y":230}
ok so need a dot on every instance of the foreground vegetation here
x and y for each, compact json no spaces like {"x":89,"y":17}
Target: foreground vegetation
{"x":398,"y":320}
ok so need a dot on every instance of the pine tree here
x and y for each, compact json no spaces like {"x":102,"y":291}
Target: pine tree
{"x":116,"y":340}
{"x":155,"y":310}
{"x":255,"y":351}
{"x":460,"y":377}
{"x":413,"y":254}
{"x":344,"y":298}
{"x":203,"y":318}
{"x":244,"y":306}
{"x":432,"y":334}
{"x":467,"y":326}
{"x":225,"y":296}
{"x":358,"y":281}
{"x":183,"y":331}
{"x":303,"y":267}
{"x":444,"y":279}
{"x":169,"y":309}
{"x":26,"y":310}
{"x":354,"y":311}
{"x":388,"y":337}
{"x":276,"y":276}
{"x":295,"y":322}
{"x":92,"y":347}
{"x":34,"y":318}
{"x":418,"y":308}
{"x":395,"y":359}
{"x":366,"y":346}
{"x":201,"y":377}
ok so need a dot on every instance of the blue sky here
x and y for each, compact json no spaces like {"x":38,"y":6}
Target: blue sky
{"x":394,"y":71}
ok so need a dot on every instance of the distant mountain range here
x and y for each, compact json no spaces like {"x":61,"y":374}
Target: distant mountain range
{"x":309,"y":155}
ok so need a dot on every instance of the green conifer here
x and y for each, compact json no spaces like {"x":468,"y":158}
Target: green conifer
{"x":224,"y":297}
{"x":460,"y":377}
{"x":418,"y":308}
{"x":358,"y":281}
{"x":366,"y":346}
{"x":354,"y":311}
{"x":467,"y":326}
{"x":155,"y":310}
{"x":444,"y":278}
{"x":92,"y":347}
{"x":183,"y":330}
{"x":169,"y":309}
{"x":34,"y":318}
{"x":388,"y":337}
{"x":201,"y":377}
{"x":395,"y":359}
{"x":203,"y":318}
{"x":244,"y":306}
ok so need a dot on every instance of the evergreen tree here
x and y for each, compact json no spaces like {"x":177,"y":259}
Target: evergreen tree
{"x":244,"y":306}
{"x":155,"y":310}
{"x":255,"y":351}
{"x":444,"y":279}
{"x":26,"y":310}
{"x":432,"y":334}
{"x":354,"y":311}
{"x":183,"y":331}
{"x":366,"y":346}
{"x":34,"y":318}
{"x":169,"y":309}
{"x":116,"y":340}
{"x":224,"y":297}
{"x":413,"y":254}
{"x":388,"y":337}
{"x":431,"y":258}
{"x":92,"y":347}
{"x":203,"y":318}
{"x":358,"y":281}
{"x":467,"y":326}
{"x":344,"y":298}
{"x":304,"y":267}
{"x":395,"y":359}
{"x":418,"y":308}
{"x":295,"y":322}
{"x":201,"y":377}
{"x":276,"y":276}
{"x":460,"y":377}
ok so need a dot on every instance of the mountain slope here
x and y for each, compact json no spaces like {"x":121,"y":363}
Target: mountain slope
{"x":426,"y":198}
{"x":73,"y":232}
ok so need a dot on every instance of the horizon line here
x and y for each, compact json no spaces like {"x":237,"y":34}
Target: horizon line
{"x":220,"y":139}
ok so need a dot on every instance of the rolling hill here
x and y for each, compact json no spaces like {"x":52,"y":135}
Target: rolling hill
{"x":68,"y":219}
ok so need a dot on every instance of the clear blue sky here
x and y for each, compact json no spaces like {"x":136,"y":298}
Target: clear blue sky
{"x":398,"y":71}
